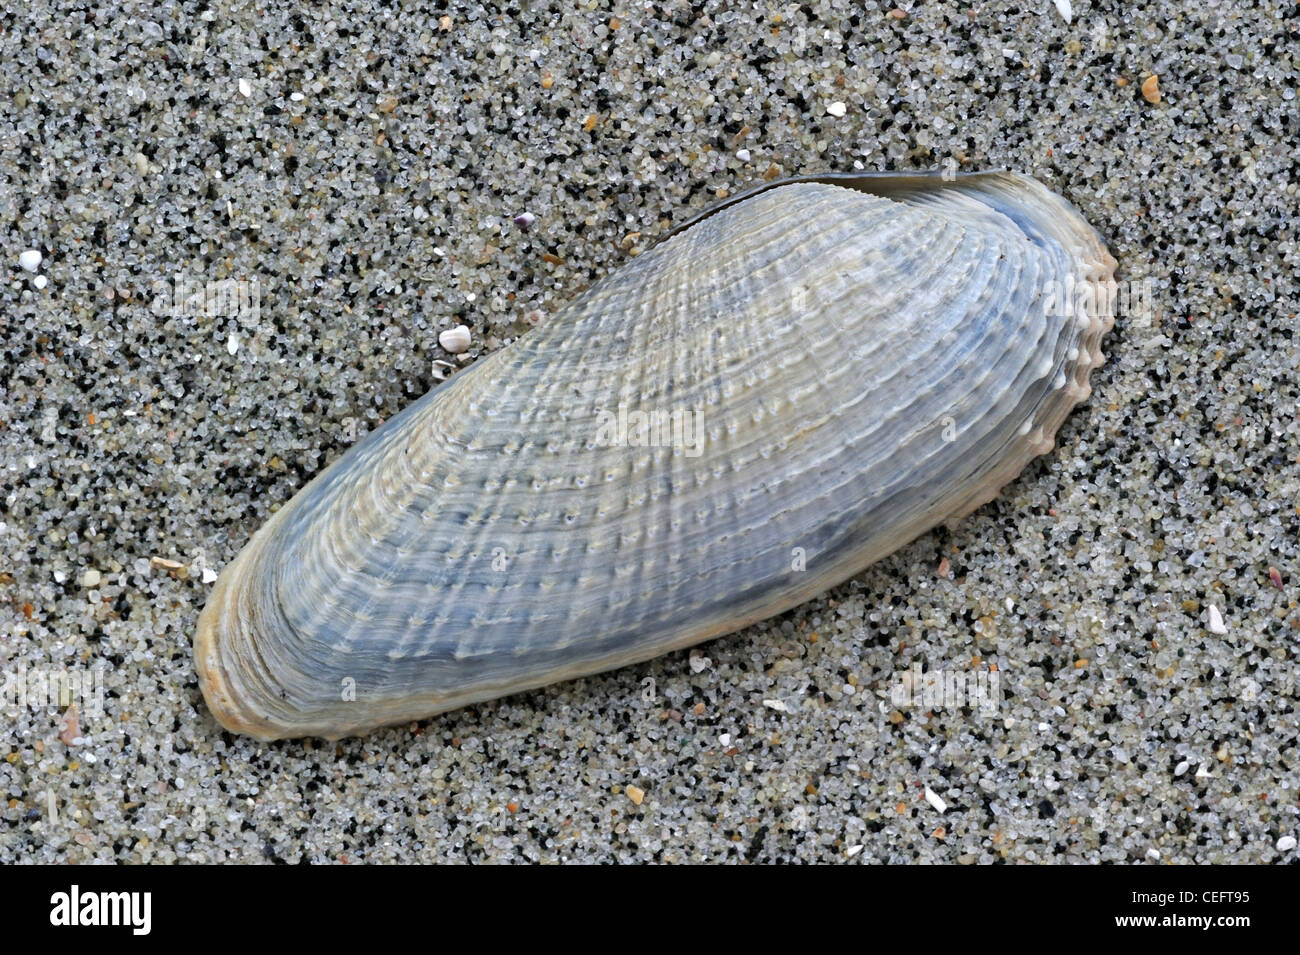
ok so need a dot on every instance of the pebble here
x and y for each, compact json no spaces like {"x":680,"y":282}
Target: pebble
{"x":1151,"y":89}
{"x":70,"y":726}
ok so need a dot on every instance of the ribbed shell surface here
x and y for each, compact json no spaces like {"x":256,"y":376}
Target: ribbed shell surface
{"x":859,"y":367}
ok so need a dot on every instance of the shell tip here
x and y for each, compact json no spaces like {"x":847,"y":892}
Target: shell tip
{"x":214,"y":679}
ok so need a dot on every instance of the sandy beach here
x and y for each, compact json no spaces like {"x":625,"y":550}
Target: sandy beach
{"x":232,"y":235}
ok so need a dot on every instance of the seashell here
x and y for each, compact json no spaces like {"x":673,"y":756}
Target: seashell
{"x":782,"y":391}
{"x":455,"y":340}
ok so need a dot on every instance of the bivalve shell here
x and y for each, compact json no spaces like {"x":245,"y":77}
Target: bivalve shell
{"x":781,"y":392}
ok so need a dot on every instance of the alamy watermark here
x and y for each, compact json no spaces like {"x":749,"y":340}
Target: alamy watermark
{"x":656,"y":428}
{"x":1093,"y":298}
{"x":215,"y":298}
{"x":37,"y":688}
{"x":948,"y":689}
{"x":128,"y":909}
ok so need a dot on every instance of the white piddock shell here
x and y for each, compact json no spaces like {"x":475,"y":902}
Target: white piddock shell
{"x":780,"y":393}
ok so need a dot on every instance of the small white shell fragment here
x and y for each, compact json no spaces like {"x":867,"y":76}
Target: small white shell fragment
{"x":742,"y":155}
{"x":40,"y":281}
{"x":1286,"y":844}
{"x":455,"y":340}
{"x":1153,"y":855}
{"x":1064,"y":8}
{"x":30,"y":259}
{"x":853,"y":850}
{"x":245,"y":88}
{"x":232,"y":343}
{"x":935,"y":800}
{"x":1216,"y":621}
{"x":778,"y":705}
{"x":209,"y":575}
{"x":162,"y":563}
{"x":836,"y":109}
